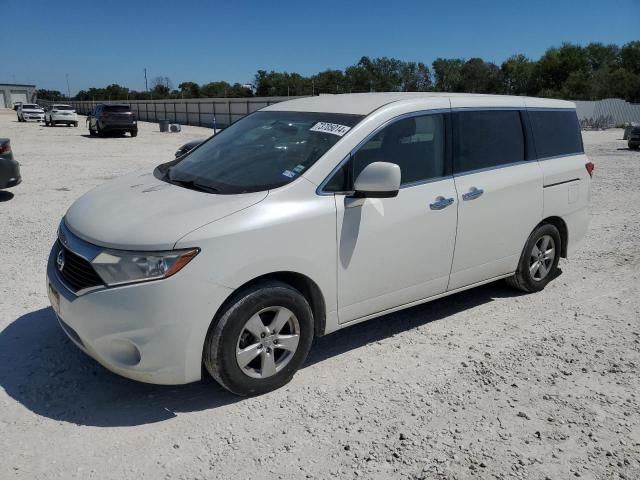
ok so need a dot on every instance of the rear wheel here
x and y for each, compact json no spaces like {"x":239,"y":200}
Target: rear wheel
{"x":134,"y":133}
{"x":260,"y":340}
{"x":539,"y":261}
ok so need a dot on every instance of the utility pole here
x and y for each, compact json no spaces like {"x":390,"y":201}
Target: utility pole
{"x":68,"y":89}
{"x":146,"y":86}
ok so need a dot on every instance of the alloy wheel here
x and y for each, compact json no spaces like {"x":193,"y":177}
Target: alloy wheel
{"x":542,"y":256}
{"x":267,"y":342}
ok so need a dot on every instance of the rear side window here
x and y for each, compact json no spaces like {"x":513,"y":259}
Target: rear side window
{"x":556,"y":132}
{"x":484,"y":139}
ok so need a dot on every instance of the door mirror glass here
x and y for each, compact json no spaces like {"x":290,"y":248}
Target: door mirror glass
{"x":378,"y":180}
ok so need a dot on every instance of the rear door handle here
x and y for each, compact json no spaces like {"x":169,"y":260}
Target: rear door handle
{"x":472,"y":194}
{"x":440,"y":203}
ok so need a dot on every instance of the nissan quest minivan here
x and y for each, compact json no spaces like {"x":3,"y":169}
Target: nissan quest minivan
{"x":312,"y":215}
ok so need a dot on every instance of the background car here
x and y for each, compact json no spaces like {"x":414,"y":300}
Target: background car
{"x":9,"y":168}
{"x":30,"y":111}
{"x":187,"y":147}
{"x":107,"y":119}
{"x":633,"y":140}
{"x":16,"y":105}
{"x":59,"y":113}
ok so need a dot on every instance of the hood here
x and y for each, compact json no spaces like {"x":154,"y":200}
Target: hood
{"x":33,"y":110}
{"x":140,"y":212}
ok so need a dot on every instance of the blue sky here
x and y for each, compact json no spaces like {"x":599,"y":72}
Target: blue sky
{"x":111,"y":41}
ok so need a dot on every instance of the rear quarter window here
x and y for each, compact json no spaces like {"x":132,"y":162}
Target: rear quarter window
{"x":556,"y":133}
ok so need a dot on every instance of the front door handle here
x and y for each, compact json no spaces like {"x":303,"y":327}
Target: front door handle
{"x":440,"y":203}
{"x":472,"y":194}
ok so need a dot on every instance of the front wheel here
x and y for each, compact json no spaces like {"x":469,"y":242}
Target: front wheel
{"x":75,"y":124}
{"x":539,"y":261}
{"x":260,"y":340}
{"x":134,"y":133}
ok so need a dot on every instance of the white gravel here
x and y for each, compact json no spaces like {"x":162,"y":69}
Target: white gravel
{"x":484,"y":384}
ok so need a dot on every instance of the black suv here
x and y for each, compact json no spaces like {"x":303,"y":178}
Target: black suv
{"x":107,"y":119}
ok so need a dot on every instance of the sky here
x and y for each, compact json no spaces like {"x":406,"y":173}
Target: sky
{"x":112,"y":41}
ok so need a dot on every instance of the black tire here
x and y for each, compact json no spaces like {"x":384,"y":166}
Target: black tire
{"x":134,"y":133}
{"x":46,"y":123}
{"x":633,"y":146}
{"x":75,"y":124}
{"x":99,"y":131}
{"x":92,"y":132}
{"x":219,"y":356}
{"x":524,"y":279}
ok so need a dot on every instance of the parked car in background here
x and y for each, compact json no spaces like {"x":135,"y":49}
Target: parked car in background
{"x":312,"y":215}
{"x":30,"y":111}
{"x":9,"y":168}
{"x":59,"y":113}
{"x":187,"y":147}
{"x":633,"y":140}
{"x":108,"y":119}
{"x":16,"y":105}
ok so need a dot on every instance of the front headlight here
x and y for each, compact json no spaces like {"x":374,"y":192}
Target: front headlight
{"x":121,"y":267}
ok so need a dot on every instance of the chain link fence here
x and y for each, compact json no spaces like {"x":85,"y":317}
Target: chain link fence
{"x":203,"y":112}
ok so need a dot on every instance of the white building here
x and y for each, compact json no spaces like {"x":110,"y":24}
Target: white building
{"x":10,"y":93}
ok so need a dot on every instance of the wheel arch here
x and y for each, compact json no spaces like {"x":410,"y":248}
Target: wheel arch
{"x":302,"y":283}
{"x":561,"y":225}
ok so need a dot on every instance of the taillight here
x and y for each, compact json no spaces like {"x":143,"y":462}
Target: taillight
{"x":590,"y":168}
{"x":5,"y":148}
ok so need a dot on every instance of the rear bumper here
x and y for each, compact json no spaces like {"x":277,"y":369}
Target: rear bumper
{"x":64,"y":118}
{"x":12,"y":182}
{"x":9,"y":173}
{"x":127,"y":127}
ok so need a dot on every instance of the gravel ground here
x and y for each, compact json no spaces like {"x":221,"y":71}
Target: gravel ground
{"x":484,"y":384}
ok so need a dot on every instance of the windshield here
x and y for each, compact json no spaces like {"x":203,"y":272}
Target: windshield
{"x":116,"y":108}
{"x":62,"y":107}
{"x":29,"y":105}
{"x":262,"y":151}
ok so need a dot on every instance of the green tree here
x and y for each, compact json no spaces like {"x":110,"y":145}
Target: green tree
{"x":189,"y":90}
{"x":448,"y":74}
{"x":516,"y":75}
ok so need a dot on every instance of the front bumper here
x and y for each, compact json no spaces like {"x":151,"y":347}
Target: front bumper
{"x":151,"y":332}
{"x":33,"y":116}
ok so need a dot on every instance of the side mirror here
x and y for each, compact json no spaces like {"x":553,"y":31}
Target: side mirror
{"x":378,"y":180}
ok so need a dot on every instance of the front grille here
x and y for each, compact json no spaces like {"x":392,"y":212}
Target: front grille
{"x":77,"y":272}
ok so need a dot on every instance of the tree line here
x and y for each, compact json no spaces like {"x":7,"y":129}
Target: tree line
{"x":572,"y":72}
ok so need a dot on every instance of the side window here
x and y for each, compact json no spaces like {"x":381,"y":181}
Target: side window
{"x":416,"y":144}
{"x":484,"y":139}
{"x":556,"y":133}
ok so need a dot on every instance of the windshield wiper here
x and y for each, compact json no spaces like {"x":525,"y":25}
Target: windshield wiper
{"x":193,"y":185}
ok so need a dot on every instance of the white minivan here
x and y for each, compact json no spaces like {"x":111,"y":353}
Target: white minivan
{"x":312,"y":215}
